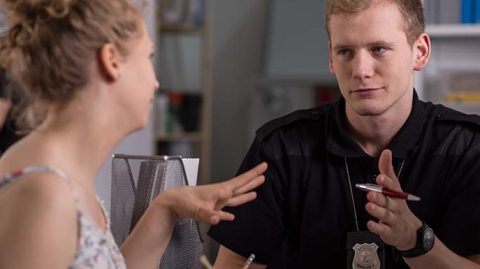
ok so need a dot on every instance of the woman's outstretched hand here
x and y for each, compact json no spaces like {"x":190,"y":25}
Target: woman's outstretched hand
{"x":206,"y":202}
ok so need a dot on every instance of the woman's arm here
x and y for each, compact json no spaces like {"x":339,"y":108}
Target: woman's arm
{"x":150,"y":237}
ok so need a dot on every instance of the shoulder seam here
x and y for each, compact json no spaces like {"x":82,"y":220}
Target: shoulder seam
{"x":304,"y":114}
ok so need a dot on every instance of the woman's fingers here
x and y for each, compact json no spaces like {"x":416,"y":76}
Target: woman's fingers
{"x":226,"y":216}
{"x":241,"y":199}
{"x":234,"y":192}
{"x":243,"y":179}
{"x":214,"y":217}
{"x":250,"y":185}
{"x":241,"y":195}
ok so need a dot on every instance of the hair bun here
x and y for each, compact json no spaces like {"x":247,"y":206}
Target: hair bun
{"x":18,"y":11}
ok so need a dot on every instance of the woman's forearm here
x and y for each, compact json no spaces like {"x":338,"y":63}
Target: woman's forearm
{"x":149,"y":239}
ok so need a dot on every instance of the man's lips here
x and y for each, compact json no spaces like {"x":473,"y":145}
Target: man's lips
{"x":366,"y":91}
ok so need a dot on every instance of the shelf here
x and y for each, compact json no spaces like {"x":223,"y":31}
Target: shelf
{"x":182,"y":137}
{"x":468,"y":108}
{"x":183,"y":104}
{"x":453,"y":30}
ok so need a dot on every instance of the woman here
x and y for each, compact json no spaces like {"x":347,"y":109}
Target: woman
{"x":85,"y":70}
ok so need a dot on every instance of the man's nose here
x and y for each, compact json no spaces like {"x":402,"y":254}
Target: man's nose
{"x":362,"y":65}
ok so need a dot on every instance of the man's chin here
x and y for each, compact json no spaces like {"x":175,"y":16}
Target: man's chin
{"x":369,"y":111}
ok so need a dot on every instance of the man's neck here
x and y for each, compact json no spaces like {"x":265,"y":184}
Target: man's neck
{"x":374,"y":133}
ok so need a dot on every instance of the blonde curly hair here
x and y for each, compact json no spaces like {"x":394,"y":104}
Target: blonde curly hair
{"x":49,"y":45}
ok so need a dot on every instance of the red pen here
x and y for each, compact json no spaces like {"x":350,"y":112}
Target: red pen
{"x":387,"y":192}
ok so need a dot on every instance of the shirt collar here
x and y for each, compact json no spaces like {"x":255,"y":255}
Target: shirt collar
{"x":340,"y":142}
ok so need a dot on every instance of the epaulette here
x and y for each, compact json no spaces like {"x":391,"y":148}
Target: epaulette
{"x":446,"y":114}
{"x":304,"y":114}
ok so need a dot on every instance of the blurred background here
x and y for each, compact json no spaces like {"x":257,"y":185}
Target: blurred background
{"x":228,"y":66}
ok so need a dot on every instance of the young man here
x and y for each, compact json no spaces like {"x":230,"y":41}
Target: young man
{"x":309,"y":213}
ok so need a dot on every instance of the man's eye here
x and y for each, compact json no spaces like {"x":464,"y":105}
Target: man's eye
{"x":378,"y":50}
{"x":343,"y":52}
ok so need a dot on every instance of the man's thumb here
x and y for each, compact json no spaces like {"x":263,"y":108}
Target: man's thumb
{"x":385,"y":164}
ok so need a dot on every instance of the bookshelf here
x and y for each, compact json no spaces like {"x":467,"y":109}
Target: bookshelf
{"x":454,"y":67}
{"x":182,"y":107}
{"x":452,"y":76}
{"x":437,"y":31}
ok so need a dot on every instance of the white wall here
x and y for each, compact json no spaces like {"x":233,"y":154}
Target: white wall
{"x":297,"y":41}
{"x":239,"y":31}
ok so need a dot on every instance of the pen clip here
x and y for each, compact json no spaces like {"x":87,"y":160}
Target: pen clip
{"x":249,"y":261}
{"x":369,"y":187}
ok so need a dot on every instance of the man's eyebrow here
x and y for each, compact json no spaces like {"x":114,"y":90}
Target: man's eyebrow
{"x":341,"y":47}
{"x":379,"y":43}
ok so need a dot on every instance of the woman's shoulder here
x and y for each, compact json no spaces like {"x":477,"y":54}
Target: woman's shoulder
{"x":35,"y":183}
{"x":36,"y":195}
{"x":38,"y":217}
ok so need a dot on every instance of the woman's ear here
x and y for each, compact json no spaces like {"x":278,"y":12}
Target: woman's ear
{"x":422,"y":49}
{"x":108,"y":61}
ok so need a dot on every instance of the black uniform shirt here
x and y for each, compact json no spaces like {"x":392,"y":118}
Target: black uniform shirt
{"x":304,"y":209}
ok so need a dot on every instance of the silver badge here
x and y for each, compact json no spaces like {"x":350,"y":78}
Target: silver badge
{"x":366,"y":256}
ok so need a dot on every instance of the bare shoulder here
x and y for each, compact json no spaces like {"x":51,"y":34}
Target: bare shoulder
{"x":42,"y":190}
{"x":39,"y":220}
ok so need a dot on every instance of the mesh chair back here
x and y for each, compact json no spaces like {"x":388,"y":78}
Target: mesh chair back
{"x":136,"y":180}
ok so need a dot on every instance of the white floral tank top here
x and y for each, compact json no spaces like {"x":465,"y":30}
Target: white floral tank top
{"x":95,"y":248}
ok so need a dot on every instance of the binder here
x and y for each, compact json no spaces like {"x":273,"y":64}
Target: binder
{"x":477,"y":11}
{"x":468,"y":8}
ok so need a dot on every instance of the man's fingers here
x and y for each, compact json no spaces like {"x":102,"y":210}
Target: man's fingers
{"x":389,"y":183}
{"x":378,"y":228}
{"x":385,"y":164}
{"x":380,"y":213}
{"x":387,"y":177}
{"x":379,"y":199}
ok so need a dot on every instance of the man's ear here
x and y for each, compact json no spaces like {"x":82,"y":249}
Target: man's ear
{"x":422,"y":49}
{"x":330,"y":60}
{"x":108,"y":61}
